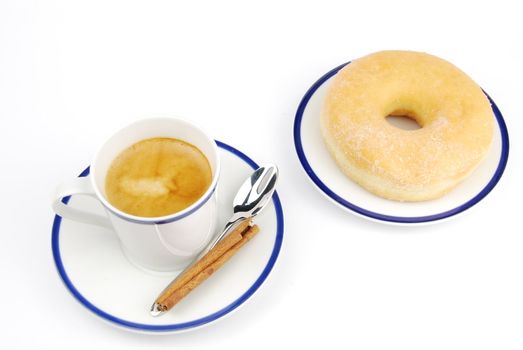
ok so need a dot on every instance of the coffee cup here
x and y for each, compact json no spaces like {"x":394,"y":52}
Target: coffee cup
{"x":164,"y":243}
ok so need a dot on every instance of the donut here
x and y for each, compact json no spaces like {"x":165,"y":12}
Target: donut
{"x":455,"y":117}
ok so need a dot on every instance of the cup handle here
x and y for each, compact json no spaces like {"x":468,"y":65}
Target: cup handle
{"x":79,"y":185}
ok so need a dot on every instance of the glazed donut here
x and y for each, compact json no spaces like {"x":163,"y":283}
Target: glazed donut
{"x":455,"y":116}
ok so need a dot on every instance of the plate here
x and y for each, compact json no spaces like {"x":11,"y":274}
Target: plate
{"x":321,"y":168}
{"x":95,"y":271}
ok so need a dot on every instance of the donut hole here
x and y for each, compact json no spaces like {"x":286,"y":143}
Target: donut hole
{"x":404,"y":120}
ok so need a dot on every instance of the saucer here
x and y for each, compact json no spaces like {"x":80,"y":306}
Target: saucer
{"x":337,"y":187}
{"x":96,"y":272}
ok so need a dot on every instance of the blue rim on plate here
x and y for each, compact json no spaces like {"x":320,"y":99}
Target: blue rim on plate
{"x":389,"y":218}
{"x":178,"y":326}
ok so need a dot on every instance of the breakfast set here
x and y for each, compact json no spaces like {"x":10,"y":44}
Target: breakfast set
{"x":168,"y":229}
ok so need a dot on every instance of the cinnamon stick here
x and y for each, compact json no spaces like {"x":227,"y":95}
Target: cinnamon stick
{"x":173,"y":298}
{"x":221,"y":247}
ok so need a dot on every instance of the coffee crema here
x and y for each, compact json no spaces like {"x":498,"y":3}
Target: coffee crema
{"x":157,"y":177}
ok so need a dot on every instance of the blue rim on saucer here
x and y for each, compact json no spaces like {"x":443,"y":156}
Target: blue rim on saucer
{"x":389,"y":218}
{"x":178,"y":326}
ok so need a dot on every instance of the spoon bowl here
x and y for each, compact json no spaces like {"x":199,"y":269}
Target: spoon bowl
{"x":252,"y":197}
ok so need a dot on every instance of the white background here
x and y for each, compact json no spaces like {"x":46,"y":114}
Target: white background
{"x":73,"y":72}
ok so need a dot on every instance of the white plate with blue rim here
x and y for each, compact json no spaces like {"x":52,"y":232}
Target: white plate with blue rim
{"x":95,"y":271}
{"x":324,"y":173}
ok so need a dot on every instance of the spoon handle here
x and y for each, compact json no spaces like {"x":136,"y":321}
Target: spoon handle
{"x":200,"y":269}
{"x":233,"y":223}
{"x":229,"y":227}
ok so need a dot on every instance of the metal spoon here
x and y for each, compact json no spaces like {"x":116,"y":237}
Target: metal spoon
{"x":250,"y":199}
{"x":252,"y":196}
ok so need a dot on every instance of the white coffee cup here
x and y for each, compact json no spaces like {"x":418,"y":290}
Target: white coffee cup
{"x":164,"y":243}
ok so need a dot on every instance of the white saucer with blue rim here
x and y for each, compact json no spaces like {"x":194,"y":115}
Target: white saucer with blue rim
{"x":328,"y":178}
{"x":98,"y":275}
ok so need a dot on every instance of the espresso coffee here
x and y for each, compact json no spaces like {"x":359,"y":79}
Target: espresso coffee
{"x":156,"y":177}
